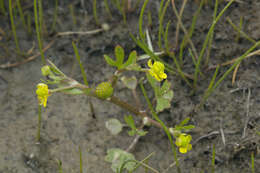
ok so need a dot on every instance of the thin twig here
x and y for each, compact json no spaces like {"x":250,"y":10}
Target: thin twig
{"x":206,"y":136}
{"x":222,"y":133}
{"x":133,"y":144}
{"x":184,"y":30}
{"x":137,"y":100}
{"x":170,"y":166}
{"x":257,"y":52}
{"x":80,"y":32}
{"x":235,"y":74}
{"x":8,"y":65}
{"x":211,"y":134}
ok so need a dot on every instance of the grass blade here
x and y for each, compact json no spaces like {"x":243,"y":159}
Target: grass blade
{"x":38,"y":31}
{"x":213,"y":159}
{"x":197,"y":68}
{"x":83,"y":73}
{"x":252,"y":163}
{"x":141,"y":33}
{"x":238,"y":61}
{"x":13,"y":26}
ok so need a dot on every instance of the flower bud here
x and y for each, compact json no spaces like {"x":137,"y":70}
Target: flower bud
{"x":104,"y":90}
{"x":175,"y":133}
{"x":46,"y":70}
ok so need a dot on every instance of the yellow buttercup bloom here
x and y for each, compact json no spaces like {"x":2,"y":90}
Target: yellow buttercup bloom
{"x":157,"y":70}
{"x":183,"y":142}
{"x":42,"y":94}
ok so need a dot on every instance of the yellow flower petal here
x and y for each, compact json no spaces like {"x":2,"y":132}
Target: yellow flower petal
{"x":183,"y":150}
{"x":157,"y":70}
{"x":150,"y":63}
{"x":42,"y":94}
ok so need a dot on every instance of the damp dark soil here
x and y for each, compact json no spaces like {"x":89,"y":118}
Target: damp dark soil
{"x":67,"y":121}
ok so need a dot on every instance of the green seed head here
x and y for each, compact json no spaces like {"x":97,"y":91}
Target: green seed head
{"x":104,"y":90}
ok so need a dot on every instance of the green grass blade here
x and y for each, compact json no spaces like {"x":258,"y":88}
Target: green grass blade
{"x":161,"y":17}
{"x":252,"y":162}
{"x":72,"y":13}
{"x":38,"y":31}
{"x":40,"y":17}
{"x":83,"y":73}
{"x":20,"y":10}
{"x":55,"y":15}
{"x":29,"y":23}
{"x":210,"y":88}
{"x":60,"y":166}
{"x":80,"y":161}
{"x":2,"y":7}
{"x":184,"y":29}
{"x":141,"y":33}
{"x":239,"y":60}
{"x":197,"y":68}
{"x":179,"y":69}
{"x":95,"y":12}
{"x":107,"y":8}
{"x":13,"y":26}
{"x":213,"y":159}
{"x":211,"y":35}
{"x":240,"y":31}
{"x":166,"y":43}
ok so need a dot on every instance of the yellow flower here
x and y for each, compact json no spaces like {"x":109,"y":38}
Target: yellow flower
{"x":42,"y":93}
{"x":157,"y":70}
{"x":183,"y":142}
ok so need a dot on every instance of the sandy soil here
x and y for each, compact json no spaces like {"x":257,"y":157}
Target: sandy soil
{"x":67,"y":121}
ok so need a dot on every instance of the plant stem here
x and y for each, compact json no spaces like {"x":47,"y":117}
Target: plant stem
{"x":132,"y":109}
{"x":13,"y":26}
{"x":38,"y":136}
{"x":165,"y":128}
{"x":80,"y":161}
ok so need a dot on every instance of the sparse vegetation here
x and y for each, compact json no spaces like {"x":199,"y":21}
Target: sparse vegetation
{"x":168,"y":55}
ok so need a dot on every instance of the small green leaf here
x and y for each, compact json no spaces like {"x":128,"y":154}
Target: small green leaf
{"x":130,"y":82}
{"x":130,"y":121}
{"x":189,"y":127}
{"x":168,"y":95}
{"x":131,"y":60}
{"x":110,"y":61}
{"x":114,"y":126}
{"x":185,"y":121}
{"x":118,"y":157}
{"x":162,"y":104}
{"x":141,"y":132}
{"x":165,"y":87}
{"x":120,"y":55}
